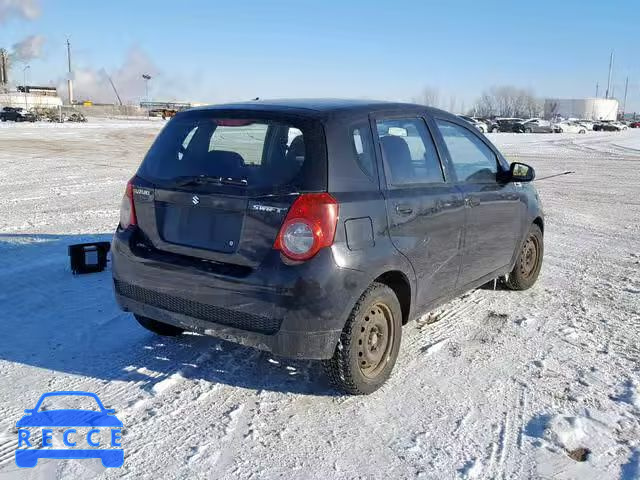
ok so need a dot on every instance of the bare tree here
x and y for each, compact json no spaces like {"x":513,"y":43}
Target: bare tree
{"x":551,"y":109}
{"x":486,"y":105}
{"x":507,"y":101}
{"x":534,"y":106}
{"x":430,"y":97}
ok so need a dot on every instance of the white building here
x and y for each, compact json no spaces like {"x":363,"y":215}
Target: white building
{"x":28,"y":101}
{"x":582,"y":108}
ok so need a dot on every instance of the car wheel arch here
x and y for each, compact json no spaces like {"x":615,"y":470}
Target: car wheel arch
{"x":540,"y":223}
{"x":399,"y":283}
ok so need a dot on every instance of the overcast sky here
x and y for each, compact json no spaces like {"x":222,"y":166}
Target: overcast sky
{"x":214,"y":51}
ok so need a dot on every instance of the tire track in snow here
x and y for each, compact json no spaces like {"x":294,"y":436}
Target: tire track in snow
{"x":8,"y":446}
{"x":505,"y":458}
{"x":439,"y":326}
{"x":435,"y":327}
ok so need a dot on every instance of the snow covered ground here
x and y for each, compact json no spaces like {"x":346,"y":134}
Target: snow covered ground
{"x":496,"y":384}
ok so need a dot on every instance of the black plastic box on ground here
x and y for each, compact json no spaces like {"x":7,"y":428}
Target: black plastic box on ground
{"x":88,"y":257}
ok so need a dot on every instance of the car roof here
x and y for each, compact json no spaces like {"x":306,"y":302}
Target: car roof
{"x":318,"y":107}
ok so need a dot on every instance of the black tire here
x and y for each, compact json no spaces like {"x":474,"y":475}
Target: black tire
{"x":369,"y":343}
{"x":529,"y":261}
{"x":164,"y":329}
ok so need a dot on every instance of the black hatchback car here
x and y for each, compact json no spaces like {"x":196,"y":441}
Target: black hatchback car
{"x":317,"y":228}
{"x":15,"y":114}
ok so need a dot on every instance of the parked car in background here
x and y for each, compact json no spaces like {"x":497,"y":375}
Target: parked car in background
{"x":608,"y":126}
{"x":76,"y":117}
{"x":569,"y":127}
{"x":588,"y":124}
{"x":492,"y":125}
{"x":476,"y":123}
{"x":16,"y":114}
{"x":533,"y":125}
{"x":634,"y":125}
{"x":163,"y":112}
{"x":508,"y":124}
{"x":294,"y":226}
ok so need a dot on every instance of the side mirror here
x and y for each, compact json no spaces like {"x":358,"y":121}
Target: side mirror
{"x":521,"y":172}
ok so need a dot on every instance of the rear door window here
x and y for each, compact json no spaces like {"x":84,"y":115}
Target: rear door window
{"x":409,"y":152}
{"x":261,"y":154}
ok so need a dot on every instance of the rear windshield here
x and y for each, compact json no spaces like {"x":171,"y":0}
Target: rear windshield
{"x":254,"y":154}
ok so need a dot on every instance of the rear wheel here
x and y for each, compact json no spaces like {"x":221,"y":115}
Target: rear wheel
{"x":164,"y":329}
{"x":369,"y":343}
{"x":529,"y":261}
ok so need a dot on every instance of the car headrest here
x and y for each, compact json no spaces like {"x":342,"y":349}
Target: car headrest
{"x":398,"y":156}
{"x":226,"y":160}
{"x":296,"y":149}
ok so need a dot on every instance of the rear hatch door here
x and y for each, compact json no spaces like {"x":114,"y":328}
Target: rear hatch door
{"x":218,"y":186}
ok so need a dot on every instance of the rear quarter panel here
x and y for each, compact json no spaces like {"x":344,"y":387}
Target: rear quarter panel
{"x":362,"y":241}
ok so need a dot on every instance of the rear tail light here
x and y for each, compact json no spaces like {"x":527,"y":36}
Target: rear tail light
{"x":310,"y":225}
{"x":127,"y":208}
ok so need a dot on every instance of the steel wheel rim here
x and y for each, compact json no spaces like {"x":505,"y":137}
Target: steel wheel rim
{"x":530,"y":256}
{"x":375,"y":340}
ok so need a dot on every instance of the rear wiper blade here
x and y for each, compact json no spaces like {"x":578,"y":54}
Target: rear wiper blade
{"x":207,"y":179}
{"x":241,"y":182}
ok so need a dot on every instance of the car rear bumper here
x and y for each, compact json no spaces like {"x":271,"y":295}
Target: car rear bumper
{"x":291,"y":310}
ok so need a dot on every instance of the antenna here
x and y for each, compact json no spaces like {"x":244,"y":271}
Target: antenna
{"x":624,"y":102}
{"x":610,"y":70}
{"x":114,"y":89}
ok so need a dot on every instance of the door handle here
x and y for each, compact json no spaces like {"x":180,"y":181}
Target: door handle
{"x":404,"y":209}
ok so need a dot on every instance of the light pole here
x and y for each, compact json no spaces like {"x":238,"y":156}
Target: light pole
{"x":24,"y":85}
{"x":69,"y":80}
{"x":146,"y":77}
